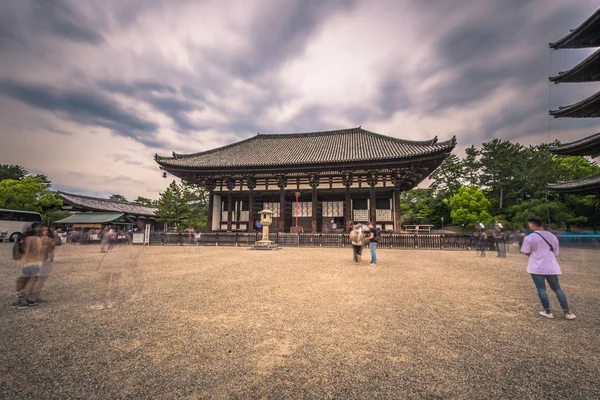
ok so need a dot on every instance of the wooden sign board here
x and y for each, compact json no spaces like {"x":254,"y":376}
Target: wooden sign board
{"x":297,"y":229}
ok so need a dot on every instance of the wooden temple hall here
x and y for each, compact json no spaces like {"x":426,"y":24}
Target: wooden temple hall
{"x":321,"y":181}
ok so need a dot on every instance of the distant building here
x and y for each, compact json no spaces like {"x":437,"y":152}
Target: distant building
{"x":340,"y":176}
{"x":93,"y":212}
{"x":587,"y":35}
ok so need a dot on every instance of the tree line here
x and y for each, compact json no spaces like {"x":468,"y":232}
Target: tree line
{"x":507,"y":181}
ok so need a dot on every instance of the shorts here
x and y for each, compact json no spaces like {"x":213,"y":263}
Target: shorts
{"x":357,"y":249}
{"x":30,"y":270}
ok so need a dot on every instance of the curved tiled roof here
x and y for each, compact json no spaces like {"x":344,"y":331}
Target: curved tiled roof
{"x":588,"y":146}
{"x":585,"y":35}
{"x":586,"y":71}
{"x":583,"y":186}
{"x":99,"y":204}
{"x":586,"y":108}
{"x":346,"y":145}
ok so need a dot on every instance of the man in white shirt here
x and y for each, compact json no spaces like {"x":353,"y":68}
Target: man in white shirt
{"x":542,"y":248}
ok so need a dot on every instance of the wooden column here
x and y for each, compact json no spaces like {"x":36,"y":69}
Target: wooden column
{"x":372,"y":181}
{"x":211,"y":204}
{"x":251,"y":183}
{"x":314,"y":183}
{"x":230,"y":187}
{"x":210,"y":185}
{"x":396,"y":203}
{"x":281,"y":184}
{"x":347,"y":181}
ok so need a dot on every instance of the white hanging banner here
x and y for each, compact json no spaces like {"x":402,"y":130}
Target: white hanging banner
{"x":147,"y":234}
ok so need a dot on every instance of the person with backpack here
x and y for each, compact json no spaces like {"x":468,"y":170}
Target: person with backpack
{"x":28,"y":252}
{"x":374,"y":236}
{"x":357,"y":240}
{"x":500,"y":239}
{"x":542,"y":248}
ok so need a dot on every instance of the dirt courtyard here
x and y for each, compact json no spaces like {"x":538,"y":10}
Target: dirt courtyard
{"x":217,"y":322}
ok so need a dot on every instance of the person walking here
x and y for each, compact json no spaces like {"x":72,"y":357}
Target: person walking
{"x":372,"y":238}
{"x":500,"y":239}
{"x":542,"y":247}
{"x":29,"y":255}
{"x":357,"y":239}
{"x":50,"y":240}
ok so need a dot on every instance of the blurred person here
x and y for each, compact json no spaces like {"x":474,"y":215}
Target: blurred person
{"x":373,"y":237}
{"x":114,"y":263}
{"x":357,"y":239}
{"x":108,"y":240}
{"x":498,"y":230}
{"x":542,"y":247}
{"x":28,"y":252}
{"x":50,"y":240}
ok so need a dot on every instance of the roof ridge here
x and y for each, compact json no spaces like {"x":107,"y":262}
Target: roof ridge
{"x":261,"y":136}
{"x":104,"y":199}
{"x":575,"y":32}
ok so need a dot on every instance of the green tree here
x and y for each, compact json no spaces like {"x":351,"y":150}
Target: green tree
{"x":469,"y":206}
{"x":448,"y":178}
{"x":424,"y":206}
{"x":557,"y":211}
{"x":145,"y":201}
{"x":471,"y":166}
{"x":500,"y":162}
{"x":118,"y":197}
{"x":183,"y":206}
{"x":14,"y":172}
{"x":27,"y":194}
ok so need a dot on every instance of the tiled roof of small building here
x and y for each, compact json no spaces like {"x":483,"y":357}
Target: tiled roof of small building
{"x":586,"y":71}
{"x":588,"y":146}
{"x":99,"y":204}
{"x":346,"y":145}
{"x":586,"y":108}
{"x":585,"y":35}
{"x":583,"y":186}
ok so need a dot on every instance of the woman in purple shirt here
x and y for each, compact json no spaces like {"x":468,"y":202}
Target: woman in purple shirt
{"x":542,"y":248}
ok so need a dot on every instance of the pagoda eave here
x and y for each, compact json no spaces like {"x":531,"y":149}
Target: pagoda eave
{"x":587,"y":108}
{"x":586,"y":71}
{"x":583,"y":186}
{"x":586,"y":35}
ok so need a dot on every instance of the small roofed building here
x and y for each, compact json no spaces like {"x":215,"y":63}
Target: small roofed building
{"x":588,"y":146}
{"x":323,"y":180}
{"x":94,"y":212}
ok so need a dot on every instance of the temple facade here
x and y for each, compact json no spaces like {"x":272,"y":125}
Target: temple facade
{"x":313,"y":182}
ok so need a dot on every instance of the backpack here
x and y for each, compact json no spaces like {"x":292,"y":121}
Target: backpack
{"x":377,"y":234}
{"x":19,"y":248}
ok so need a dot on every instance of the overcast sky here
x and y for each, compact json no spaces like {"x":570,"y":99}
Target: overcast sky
{"x":90,"y":90}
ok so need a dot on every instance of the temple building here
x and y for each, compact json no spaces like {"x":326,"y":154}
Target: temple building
{"x":589,"y":146}
{"x":587,"y":35}
{"x":95,"y":212}
{"x":313,"y":182}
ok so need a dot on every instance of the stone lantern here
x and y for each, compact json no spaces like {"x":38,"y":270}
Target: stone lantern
{"x":266,"y":219}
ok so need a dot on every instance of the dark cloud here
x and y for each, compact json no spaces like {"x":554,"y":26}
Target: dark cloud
{"x":60,"y":18}
{"x":393,"y":97}
{"x":84,"y":107}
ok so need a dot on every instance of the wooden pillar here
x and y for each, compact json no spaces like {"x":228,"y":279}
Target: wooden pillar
{"x":281,"y":184}
{"x":314,"y":183}
{"x":229,"y":210}
{"x":396,"y":204}
{"x":347,"y":181}
{"x":251,"y":183}
{"x":211,"y":205}
{"x":210,"y":185}
{"x":372,"y":181}
{"x":230,"y":187}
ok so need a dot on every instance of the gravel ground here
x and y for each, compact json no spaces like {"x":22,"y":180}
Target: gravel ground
{"x":302,"y":323}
